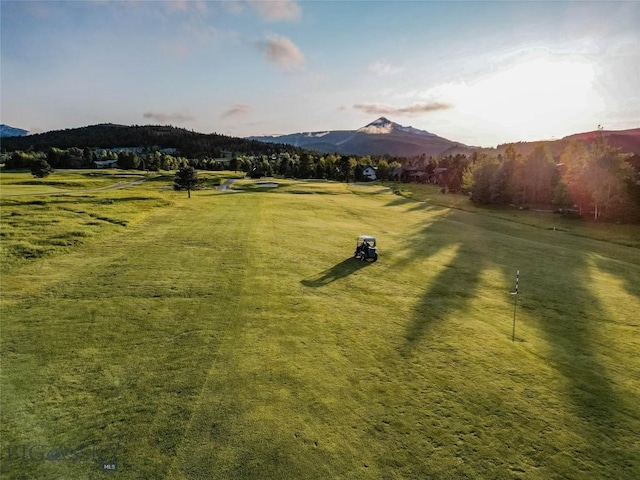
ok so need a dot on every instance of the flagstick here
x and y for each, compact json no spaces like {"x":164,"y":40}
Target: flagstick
{"x":513,"y":334}
{"x":515,"y":304}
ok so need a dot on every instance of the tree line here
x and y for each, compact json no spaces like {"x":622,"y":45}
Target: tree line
{"x":592,"y":180}
{"x":285,"y":164}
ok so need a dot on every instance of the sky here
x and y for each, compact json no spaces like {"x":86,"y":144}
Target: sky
{"x":481,"y":73}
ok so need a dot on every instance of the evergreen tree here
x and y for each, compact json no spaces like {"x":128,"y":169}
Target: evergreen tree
{"x":346,"y":166}
{"x":383,"y":170}
{"x":186,"y":179}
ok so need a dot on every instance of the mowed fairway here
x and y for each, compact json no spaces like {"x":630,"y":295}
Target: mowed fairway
{"x":231,"y":336}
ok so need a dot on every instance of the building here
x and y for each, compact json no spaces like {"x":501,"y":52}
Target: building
{"x":369,"y":173}
{"x":106,"y":163}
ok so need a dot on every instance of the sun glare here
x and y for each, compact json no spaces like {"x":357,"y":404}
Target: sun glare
{"x":533,"y":98}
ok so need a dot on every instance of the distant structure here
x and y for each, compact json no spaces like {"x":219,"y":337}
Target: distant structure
{"x":369,"y":173}
{"x":106,"y":163}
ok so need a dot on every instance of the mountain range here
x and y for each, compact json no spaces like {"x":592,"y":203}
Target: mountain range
{"x":380,"y":137}
{"x":7,"y":131}
{"x":384,"y":137}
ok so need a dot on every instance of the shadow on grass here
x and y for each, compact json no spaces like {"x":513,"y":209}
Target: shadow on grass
{"x":561,"y":306}
{"x":401,"y":201}
{"x":341,"y":270}
{"x":628,"y":273}
{"x":455,"y":285}
{"x":424,"y":207}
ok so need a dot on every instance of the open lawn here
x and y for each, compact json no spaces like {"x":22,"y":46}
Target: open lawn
{"x":232,"y":336}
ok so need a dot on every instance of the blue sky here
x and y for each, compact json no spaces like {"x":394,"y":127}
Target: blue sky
{"x":481,"y":73}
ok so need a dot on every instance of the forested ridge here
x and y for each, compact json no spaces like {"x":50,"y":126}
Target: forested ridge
{"x":109,"y":136}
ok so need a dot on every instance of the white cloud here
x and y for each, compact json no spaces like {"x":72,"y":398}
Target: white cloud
{"x":382,"y":68}
{"x":185,"y":5}
{"x":177,"y":50}
{"x":208,"y":34}
{"x":282,"y":51}
{"x":277,"y":10}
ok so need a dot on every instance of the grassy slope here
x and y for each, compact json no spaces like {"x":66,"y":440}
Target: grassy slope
{"x":231,"y":336}
{"x":622,"y":234}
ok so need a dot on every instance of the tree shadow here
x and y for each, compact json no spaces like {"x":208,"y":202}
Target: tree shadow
{"x":453,"y":286}
{"x":424,"y":207}
{"x":568,"y":320}
{"x":628,"y":272}
{"x":341,"y":270}
{"x":400,"y":201}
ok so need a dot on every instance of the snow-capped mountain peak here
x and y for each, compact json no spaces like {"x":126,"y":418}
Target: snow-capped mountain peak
{"x":416,"y":131}
{"x":380,"y":137}
{"x":380,"y":126}
{"x":383,"y":126}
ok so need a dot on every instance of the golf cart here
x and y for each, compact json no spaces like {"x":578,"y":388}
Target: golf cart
{"x":366,"y":249}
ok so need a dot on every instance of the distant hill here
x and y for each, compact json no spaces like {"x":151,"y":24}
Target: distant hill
{"x":7,"y":131}
{"x":188,"y":143}
{"x":380,"y":137}
{"x":627,"y":141}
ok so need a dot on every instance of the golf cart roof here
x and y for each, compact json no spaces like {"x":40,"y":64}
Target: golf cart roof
{"x":366,"y":238}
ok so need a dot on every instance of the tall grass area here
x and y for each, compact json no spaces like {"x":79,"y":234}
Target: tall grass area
{"x":22,"y":182}
{"x":231,"y":335}
{"x":36,"y":225}
{"x":45,"y":216}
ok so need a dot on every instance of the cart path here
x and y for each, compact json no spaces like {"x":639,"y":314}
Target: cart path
{"x":225,"y":186}
{"x":117,"y":186}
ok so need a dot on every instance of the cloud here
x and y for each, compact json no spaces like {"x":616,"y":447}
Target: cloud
{"x":186,"y":5}
{"x":383,"y":68}
{"x":237,"y":110}
{"x":208,"y":34}
{"x":411,"y":110}
{"x":176,"y":50}
{"x":233,"y":7}
{"x":281,"y":51}
{"x":169,"y":117}
{"x":277,"y":10}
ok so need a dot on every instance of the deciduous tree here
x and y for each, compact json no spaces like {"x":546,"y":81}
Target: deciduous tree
{"x":40,"y":168}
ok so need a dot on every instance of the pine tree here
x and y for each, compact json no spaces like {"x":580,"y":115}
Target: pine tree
{"x":186,"y":179}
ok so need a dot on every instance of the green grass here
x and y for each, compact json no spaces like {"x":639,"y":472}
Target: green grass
{"x":14,"y":182}
{"x":34,"y":227}
{"x":231,"y":335}
{"x":628,"y":234}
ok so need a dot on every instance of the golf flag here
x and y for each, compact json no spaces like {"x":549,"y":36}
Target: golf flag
{"x":515,"y":292}
{"x":515,"y":303}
